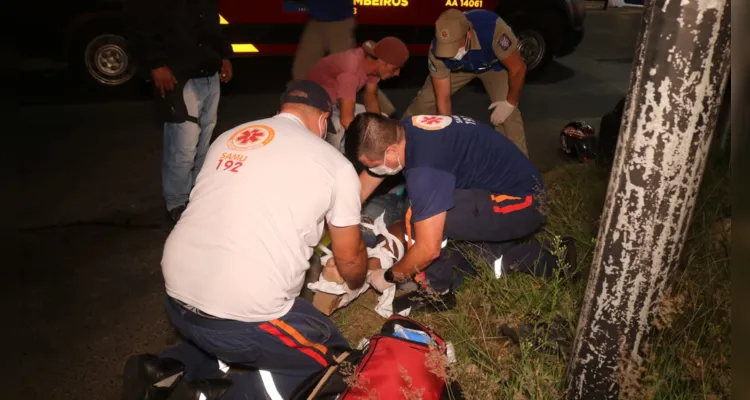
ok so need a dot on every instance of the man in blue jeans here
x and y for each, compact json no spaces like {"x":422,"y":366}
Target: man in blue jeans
{"x":236,"y":261}
{"x":182,"y":46}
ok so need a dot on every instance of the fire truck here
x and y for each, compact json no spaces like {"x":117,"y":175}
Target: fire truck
{"x":88,"y":35}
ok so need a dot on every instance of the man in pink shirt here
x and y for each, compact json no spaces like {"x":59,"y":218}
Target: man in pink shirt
{"x":344,"y":74}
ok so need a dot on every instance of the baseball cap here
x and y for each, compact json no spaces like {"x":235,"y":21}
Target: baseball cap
{"x":308,"y":93}
{"x":450,"y":31}
{"x":389,"y":49}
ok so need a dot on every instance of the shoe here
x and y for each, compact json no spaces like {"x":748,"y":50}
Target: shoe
{"x":206,"y":389}
{"x":408,"y":286}
{"x":173,"y":216}
{"x":419,"y":301}
{"x":143,"y":371}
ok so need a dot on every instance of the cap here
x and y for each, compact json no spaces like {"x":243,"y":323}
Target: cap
{"x":309,"y":93}
{"x":451,"y":28}
{"x":389,"y":49}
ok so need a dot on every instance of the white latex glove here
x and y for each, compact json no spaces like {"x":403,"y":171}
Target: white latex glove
{"x":502,"y":110}
{"x":376,"y":279}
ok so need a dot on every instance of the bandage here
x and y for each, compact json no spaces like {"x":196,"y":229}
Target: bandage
{"x":387,"y":259}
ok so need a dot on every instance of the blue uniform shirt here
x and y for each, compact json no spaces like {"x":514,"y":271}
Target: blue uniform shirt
{"x":445,"y":153}
{"x":484,"y":57}
{"x":330,"y":10}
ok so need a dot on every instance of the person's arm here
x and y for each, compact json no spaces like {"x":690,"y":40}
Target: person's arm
{"x":431,"y":192}
{"x":222,"y":44}
{"x":441,"y":83}
{"x":425,"y":249}
{"x":505,"y":45}
{"x":368,"y":183}
{"x":144,"y":20}
{"x":346,"y":108}
{"x":347,"y":97}
{"x":349,"y":254}
{"x":344,"y":217}
{"x":371,"y":97}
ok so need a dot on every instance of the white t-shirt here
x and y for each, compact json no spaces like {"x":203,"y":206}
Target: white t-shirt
{"x":242,"y":246}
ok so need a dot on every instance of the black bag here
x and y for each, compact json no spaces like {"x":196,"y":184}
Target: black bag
{"x":172,"y":108}
{"x":609,"y":131}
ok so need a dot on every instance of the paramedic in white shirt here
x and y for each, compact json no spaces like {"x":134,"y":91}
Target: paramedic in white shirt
{"x":235,"y":263}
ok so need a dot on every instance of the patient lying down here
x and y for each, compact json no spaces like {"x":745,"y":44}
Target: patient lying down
{"x":333,"y":293}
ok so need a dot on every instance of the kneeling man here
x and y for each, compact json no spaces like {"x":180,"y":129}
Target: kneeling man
{"x":235,"y":263}
{"x":465,"y":182}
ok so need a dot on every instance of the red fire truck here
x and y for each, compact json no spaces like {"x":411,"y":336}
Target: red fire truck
{"x":88,"y":34}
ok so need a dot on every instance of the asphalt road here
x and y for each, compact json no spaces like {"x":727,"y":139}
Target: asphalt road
{"x":83,"y":288}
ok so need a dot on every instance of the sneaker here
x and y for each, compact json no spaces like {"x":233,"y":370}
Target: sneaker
{"x":420,"y":301}
{"x":143,"y":371}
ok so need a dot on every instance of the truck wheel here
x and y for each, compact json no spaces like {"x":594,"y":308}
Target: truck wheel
{"x":103,"y":59}
{"x":538,"y":39}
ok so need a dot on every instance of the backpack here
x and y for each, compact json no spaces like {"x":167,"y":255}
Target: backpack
{"x":405,"y":358}
{"x":609,"y":131}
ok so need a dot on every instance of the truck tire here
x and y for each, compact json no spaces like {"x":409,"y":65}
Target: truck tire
{"x":539,"y":37}
{"x":100,"y":56}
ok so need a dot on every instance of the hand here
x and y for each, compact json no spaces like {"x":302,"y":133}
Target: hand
{"x":164,"y":80}
{"x":376,"y":279}
{"x":226,"y":71}
{"x":502,"y":109}
{"x":331,"y":273}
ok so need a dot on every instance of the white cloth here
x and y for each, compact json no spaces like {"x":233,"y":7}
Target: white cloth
{"x":387,"y":259}
{"x":241,"y":248}
{"x":502,"y":109}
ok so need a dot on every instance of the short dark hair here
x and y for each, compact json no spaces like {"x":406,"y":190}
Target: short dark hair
{"x":369,"y":134}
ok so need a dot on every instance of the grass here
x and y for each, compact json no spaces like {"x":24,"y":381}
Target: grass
{"x":690,"y":351}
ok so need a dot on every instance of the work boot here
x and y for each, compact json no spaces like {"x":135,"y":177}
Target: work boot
{"x":206,"y":389}
{"x":421,"y":301}
{"x":143,"y":371}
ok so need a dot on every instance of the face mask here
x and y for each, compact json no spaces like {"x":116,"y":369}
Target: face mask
{"x":461,"y":53}
{"x":323,"y":126}
{"x":386,"y":170}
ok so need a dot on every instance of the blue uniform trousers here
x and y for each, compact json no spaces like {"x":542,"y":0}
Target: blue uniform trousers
{"x":274,"y":356}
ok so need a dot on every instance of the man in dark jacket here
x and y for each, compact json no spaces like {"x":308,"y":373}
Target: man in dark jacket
{"x":181,"y":44}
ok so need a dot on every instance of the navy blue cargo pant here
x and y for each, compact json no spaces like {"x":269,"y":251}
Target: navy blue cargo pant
{"x":496,"y":224}
{"x":277,"y":354}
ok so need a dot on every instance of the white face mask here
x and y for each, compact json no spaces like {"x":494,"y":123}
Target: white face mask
{"x":386,"y":170}
{"x":323,"y":126}
{"x":461,"y":53}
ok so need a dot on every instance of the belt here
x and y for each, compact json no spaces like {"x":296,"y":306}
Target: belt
{"x":196,"y":311}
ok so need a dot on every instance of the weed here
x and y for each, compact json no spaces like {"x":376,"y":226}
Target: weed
{"x":512,"y":335}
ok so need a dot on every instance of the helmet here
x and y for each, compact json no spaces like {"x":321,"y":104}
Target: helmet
{"x":578,"y":140}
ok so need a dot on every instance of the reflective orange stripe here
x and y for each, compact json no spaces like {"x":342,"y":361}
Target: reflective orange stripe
{"x":528,"y":201}
{"x":499,"y":198}
{"x":292,"y":345}
{"x":297,"y":336}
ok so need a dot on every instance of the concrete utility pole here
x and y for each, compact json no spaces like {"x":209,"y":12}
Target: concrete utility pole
{"x":676,"y":88}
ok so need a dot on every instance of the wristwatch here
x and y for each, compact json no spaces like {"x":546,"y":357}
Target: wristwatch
{"x":388,"y":276}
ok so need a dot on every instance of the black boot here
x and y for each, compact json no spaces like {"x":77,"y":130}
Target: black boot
{"x":143,"y":371}
{"x":207,"y":389}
